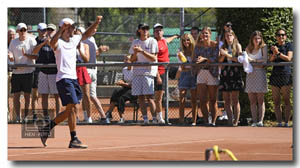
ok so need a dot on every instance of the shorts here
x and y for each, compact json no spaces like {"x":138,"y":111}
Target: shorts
{"x":47,"y":83}
{"x":205,"y":77}
{"x":21,"y":83}
{"x":280,"y":80}
{"x":35,"y":83}
{"x":93,"y":76}
{"x":142,"y":85}
{"x":69,"y":91}
{"x":158,"y":87}
{"x":82,"y":76}
{"x":187,"y":80}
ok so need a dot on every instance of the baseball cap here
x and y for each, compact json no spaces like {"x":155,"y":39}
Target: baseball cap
{"x":66,"y":20}
{"x":42,"y":26}
{"x":158,"y":25}
{"x":51,"y":26}
{"x":81,"y":29}
{"x":143,"y":25}
{"x":21,"y":25}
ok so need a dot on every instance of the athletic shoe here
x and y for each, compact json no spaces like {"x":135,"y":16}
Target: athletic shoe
{"x":108,"y":115}
{"x":279,"y":125}
{"x":76,"y":143}
{"x":154,"y":121}
{"x":286,"y":125}
{"x":193,"y":124}
{"x":161,"y":121}
{"x":253,"y":125}
{"x":90,"y":120}
{"x":44,"y":133}
{"x":146,"y":121}
{"x":122,"y":121}
{"x":107,"y":121}
{"x":260,"y":124}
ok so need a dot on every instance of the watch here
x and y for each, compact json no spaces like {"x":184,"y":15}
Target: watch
{"x":278,"y":54}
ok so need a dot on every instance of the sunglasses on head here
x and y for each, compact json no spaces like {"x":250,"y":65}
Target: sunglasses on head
{"x":278,"y":35}
{"x":23,"y":30}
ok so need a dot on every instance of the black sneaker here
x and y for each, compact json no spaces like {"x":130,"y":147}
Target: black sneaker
{"x":44,"y":133}
{"x":76,"y":143}
{"x":108,"y":115}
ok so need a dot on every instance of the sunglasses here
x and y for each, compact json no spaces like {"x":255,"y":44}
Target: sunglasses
{"x":186,"y":40}
{"x":23,"y":30}
{"x":49,"y":29}
{"x":43,"y":30}
{"x":228,"y":25}
{"x":278,"y":35}
{"x":145,"y":28}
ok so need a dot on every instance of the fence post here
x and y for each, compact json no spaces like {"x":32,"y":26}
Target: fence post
{"x":167,"y":94}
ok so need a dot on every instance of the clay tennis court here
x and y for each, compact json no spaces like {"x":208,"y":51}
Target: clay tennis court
{"x":134,"y":142}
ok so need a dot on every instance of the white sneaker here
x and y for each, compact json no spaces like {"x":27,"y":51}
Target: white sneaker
{"x":253,"y":125}
{"x":107,"y":121}
{"x":260,"y":124}
{"x":122,"y":121}
{"x":161,"y":121}
{"x":90,"y":120}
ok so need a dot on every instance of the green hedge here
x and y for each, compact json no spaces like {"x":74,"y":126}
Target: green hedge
{"x":247,"y":20}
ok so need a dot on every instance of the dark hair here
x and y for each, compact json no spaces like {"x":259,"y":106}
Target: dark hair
{"x":89,"y":23}
{"x":195,"y":28}
{"x":277,"y":31}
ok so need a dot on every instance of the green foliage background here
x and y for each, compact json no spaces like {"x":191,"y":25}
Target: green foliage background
{"x":247,"y":20}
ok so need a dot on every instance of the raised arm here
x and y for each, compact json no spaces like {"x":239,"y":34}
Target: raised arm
{"x":90,"y":30}
{"x":170,"y":39}
{"x":54,"y":40}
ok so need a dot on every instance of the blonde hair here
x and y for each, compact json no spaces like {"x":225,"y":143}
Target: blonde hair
{"x":250,"y":46}
{"x":234,"y":45}
{"x":190,"y":49}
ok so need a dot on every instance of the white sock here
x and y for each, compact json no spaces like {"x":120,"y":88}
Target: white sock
{"x":159,"y":115}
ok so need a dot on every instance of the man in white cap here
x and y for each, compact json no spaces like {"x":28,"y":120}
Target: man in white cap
{"x":162,"y":56}
{"x":46,"y":76}
{"x":20,"y":50}
{"x":64,"y":43}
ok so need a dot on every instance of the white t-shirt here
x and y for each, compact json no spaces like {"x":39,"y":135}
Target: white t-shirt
{"x":150,"y":45}
{"x":15,"y":47}
{"x":65,"y":54}
{"x":93,"y":48}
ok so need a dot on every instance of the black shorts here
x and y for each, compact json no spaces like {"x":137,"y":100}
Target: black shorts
{"x":21,"y":83}
{"x":279,"y":80}
{"x":35,"y":79}
{"x":158,"y":87}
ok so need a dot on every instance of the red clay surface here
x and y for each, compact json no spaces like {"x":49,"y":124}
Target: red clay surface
{"x":154,"y":143}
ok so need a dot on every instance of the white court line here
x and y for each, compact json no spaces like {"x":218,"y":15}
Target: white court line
{"x":192,"y":152}
{"x":115,"y":147}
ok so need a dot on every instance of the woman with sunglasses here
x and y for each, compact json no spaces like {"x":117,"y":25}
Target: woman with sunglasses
{"x":281,"y":77}
{"x":221,"y":38}
{"x":187,"y":78}
{"x":256,"y":81}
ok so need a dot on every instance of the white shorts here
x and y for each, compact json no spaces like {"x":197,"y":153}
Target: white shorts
{"x":47,"y":84}
{"x":142,"y":85}
{"x":205,"y":77}
{"x":93,"y":86}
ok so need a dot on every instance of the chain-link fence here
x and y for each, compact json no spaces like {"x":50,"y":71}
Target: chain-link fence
{"x":117,"y":30}
{"x":107,"y":93}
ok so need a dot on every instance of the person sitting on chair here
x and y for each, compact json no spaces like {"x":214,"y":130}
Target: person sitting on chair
{"x":120,"y":96}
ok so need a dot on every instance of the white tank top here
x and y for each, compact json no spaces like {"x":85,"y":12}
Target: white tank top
{"x":258,"y":55}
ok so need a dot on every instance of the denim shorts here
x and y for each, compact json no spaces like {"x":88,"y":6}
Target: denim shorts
{"x":187,"y":80}
{"x":69,"y":91}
